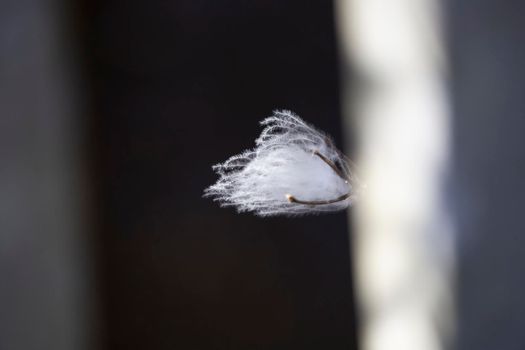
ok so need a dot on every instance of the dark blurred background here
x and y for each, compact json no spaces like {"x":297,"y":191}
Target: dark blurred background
{"x":177,"y":86}
{"x":111,"y":116}
{"x":163,"y":90}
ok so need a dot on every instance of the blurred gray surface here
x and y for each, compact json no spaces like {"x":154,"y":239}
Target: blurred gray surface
{"x":44,"y":277}
{"x":488,"y":79}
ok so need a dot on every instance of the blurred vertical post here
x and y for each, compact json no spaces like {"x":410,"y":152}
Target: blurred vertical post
{"x":45,"y":281}
{"x":394,"y":99}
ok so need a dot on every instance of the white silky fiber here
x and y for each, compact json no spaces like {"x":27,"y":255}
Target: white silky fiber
{"x":293,"y":170}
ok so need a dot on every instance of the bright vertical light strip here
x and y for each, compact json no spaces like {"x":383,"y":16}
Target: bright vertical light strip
{"x":396,"y":102}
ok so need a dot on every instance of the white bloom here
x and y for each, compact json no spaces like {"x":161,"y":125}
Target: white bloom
{"x":295,"y":169}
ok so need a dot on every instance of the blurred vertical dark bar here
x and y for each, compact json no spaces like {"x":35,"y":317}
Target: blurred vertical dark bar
{"x":45,"y":286}
{"x":488,"y":78}
{"x":179,"y":86}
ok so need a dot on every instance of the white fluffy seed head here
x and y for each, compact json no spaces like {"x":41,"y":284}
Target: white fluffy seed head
{"x":285,"y":168}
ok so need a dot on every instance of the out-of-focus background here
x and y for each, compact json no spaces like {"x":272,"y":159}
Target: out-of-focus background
{"x":112,"y":113}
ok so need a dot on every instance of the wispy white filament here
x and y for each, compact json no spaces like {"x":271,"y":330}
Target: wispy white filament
{"x":285,"y":164}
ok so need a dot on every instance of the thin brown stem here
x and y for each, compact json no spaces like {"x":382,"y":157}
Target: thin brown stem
{"x":292,"y":199}
{"x":331,"y":164}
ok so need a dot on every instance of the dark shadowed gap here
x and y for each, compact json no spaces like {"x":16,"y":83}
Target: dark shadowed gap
{"x":178,"y":86}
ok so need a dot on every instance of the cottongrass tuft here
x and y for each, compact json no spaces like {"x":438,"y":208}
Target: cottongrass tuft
{"x":293,"y":170}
